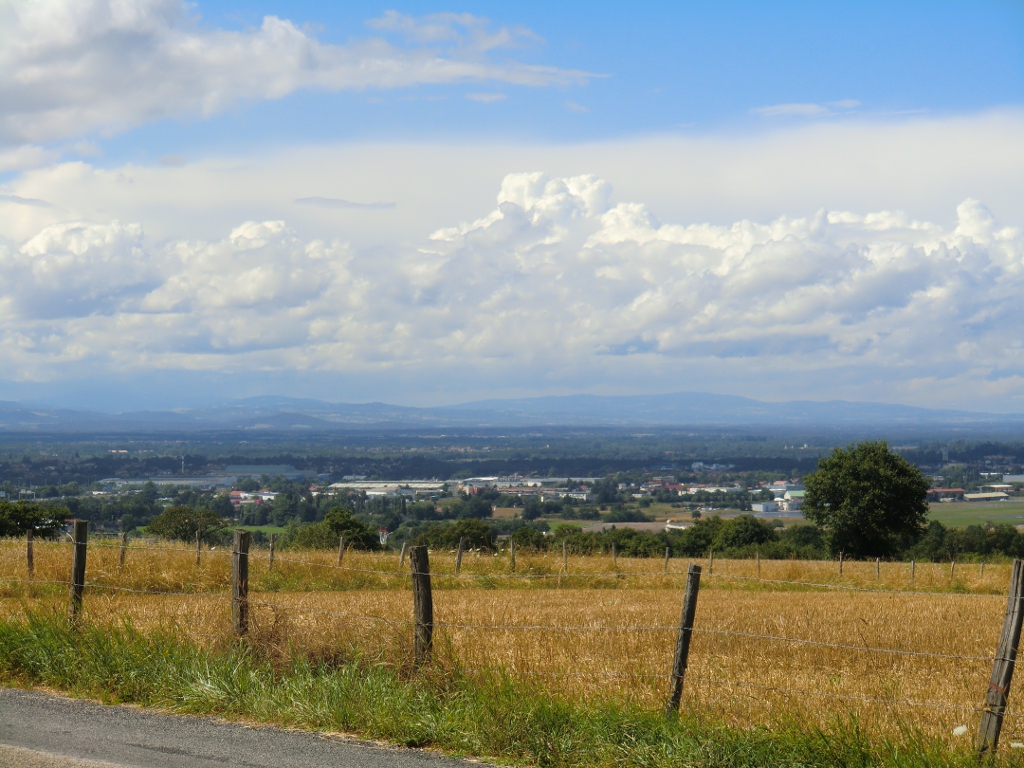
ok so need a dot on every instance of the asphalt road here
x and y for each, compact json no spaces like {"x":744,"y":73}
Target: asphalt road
{"x":42,"y":731}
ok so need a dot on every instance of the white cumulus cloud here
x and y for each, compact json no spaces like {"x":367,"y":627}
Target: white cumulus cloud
{"x":557,"y":277}
{"x":71,"y":66}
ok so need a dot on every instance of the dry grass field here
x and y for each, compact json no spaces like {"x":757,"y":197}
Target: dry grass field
{"x":765,"y":650}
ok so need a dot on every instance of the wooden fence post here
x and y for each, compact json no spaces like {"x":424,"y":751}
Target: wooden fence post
{"x":1002,"y":669}
{"x":878,"y":568}
{"x":711,"y":561}
{"x":952,"y":565}
{"x":757,"y":555}
{"x":271,"y":566}
{"x":840,"y":563}
{"x":512,"y":553}
{"x":565,"y":556}
{"x":28,"y":552}
{"x":81,"y":538}
{"x":422,"y":604}
{"x":199,"y":539}
{"x":458,"y":555}
{"x":240,"y":583}
{"x":911,"y":572}
{"x":615,"y":556}
{"x":124,"y":551}
{"x":341,"y":549}
{"x":668,"y":551}
{"x":401,"y":556}
{"x":683,"y":639}
{"x":983,"y":570}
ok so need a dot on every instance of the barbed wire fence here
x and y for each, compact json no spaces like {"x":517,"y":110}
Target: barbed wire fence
{"x":422,"y":623}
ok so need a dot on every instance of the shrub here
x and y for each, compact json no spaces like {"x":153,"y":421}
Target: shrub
{"x":476,"y":533}
{"x":471,"y":507}
{"x":529,"y":537}
{"x":326,"y":534}
{"x":742,"y":531}
{"x":621,"y":514}
{"x":183,"y":523}
{"x":803,"y":536}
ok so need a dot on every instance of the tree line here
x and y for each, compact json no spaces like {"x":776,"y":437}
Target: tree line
{"x":863,"y":501}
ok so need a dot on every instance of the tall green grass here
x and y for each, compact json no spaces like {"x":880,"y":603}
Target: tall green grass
{"x":492,"y":716}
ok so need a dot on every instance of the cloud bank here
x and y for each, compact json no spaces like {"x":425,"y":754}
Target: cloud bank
{"x":557,"y":276}
{"x":71,"y":66}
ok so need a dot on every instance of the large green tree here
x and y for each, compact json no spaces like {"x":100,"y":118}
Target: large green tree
{"x":476,"y":533}
{"x":868,"y":501}
{"x":183,"y":522}
{"x":18,"y":517}
{"x":327,"y":533}
{"x":743,"y":531}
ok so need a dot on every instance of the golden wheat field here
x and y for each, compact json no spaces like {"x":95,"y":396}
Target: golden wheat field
{"x":801,"y":641}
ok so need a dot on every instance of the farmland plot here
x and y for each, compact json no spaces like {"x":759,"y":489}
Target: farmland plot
{"x":773,"y":642}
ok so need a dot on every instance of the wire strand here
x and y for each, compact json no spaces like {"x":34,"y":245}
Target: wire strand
{"x":701,"y":630}
{"x":179,"y":550}
{"x":306,"y":609}
{"x":851,"y":588}
{"x":160,"y":592}
{"x":829,"y":695}
{"x":841,"y":646}
{"x":392,"y":574}
{"x":540,"y":627}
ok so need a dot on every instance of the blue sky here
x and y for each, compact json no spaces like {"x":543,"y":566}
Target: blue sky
{"x":352,"y":201}
{"x":664,"y":67}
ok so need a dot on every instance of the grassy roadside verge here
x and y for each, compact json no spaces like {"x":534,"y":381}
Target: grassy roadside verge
{"x":505,"y":720}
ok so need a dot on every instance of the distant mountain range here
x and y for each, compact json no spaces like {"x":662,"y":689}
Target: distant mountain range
{"x":679,"y":409}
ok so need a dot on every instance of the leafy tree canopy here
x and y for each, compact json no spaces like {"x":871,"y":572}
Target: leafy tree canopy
{"x":742,"y":531}
{"x":16,"y":518}
{"x":327,"y":533}
{"x":471,"y":507}
{"x":182,"y":523}
{"x":528,"y":537}
{"x":868,"y":501}
{"x":476,"y":533}
{"x":623,"y":514}
{"x":803,"y":536}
